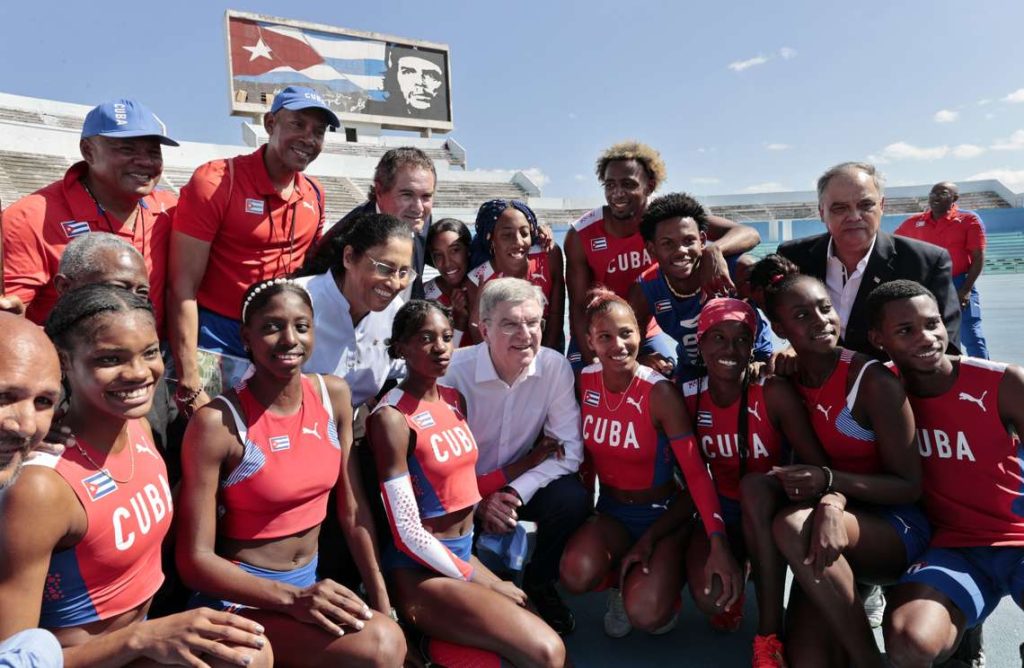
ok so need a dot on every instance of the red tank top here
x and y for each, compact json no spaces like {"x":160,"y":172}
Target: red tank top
{"x":849,"y":446}
{"x":615,"y":262}
{"x":973,"y":469}
{"x":538,"y":273}
{"x":442,"y":464}
{"x":116,"y":566}
{"x":289,"y":465}
{"x":718,"y":435}
{"x":627,"y":451}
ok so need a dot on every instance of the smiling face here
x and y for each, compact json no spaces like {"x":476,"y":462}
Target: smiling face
{"x":420,"y":81}
{"x":428,"y":351}
{"x":279,"y":335}
{"x":614,"y":337}
{"x":365,"y":285}
{"x":677,"y":246}
{"x":912,"y":333}
{"x":851,"y":208}
{"x":29,"y":391}
{"x":511,"y":241}
{"x":726,"y":348}
{"x":411,"y":196}
{"x":113,"y":368}
{"x":804,"y":315}
{"x":626,"y":189}
{"x":512,"y":331}
{"x":125,"y":167}
{"x":450,"y":257}
{"x":295,"y":137}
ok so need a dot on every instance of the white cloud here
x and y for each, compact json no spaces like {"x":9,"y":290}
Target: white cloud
{"x":982,"y":102}
{"x":777,"y":147}
{"x":945,"y":116}
{"x":1011,"y":178}
{"x":1015,"y":96}
{"x":787,"y":53}
{"x":768,"y":187}
{"x":1014,"y":142}
{"x":740,"y":65}
{"x":966,"y":151}
{"x":579,"y":177}
{"x":705,"y":180}
{"x":903,"y":151}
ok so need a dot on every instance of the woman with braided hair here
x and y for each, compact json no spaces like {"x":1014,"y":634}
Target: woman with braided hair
{"x":258,"y":465}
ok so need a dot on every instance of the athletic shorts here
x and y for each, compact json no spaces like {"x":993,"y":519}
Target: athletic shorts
{"x":636,"y":517}
{"x":302,"y":577}
{"x":911,"y":525}
{"x":974,"y":578}
{"x":393,"y":558}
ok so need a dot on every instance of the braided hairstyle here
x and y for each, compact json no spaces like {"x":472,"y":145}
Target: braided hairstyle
{"x":410,"y":318}
{"x":775,"y":275}
{"x":73,"y":315}
{"x":363,"y":233}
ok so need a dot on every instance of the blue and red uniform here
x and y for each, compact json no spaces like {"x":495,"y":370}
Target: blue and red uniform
{"x":441,"y":480}
{"x":973,"y":493}
{"x":115,"y":567}
{"x":538,"y":273}
{"x":432,"y":291}
{"x":630,"y":454}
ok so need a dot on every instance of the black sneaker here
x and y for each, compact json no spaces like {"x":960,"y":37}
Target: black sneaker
{"x":551,"y":607}
{"x":969,"y":653}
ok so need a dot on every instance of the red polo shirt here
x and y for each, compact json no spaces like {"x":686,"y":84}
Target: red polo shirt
{"x":253,"y":233}
{"x":959,"y":232}
{"x":38,"y":227}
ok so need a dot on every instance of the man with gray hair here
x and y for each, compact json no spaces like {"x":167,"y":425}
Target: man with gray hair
{"x":104,"y":258}
{"x":855,"y":255}
{"x":523,"y":412}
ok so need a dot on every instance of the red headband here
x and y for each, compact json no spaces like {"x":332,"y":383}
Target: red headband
{"x":721,"y":309}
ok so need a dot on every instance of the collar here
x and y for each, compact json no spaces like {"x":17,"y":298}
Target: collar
{"x":863,"y":262}
{"x":951,"y":215}
{"x":486,"y":372}
{"x":80,"y":202}
{"x":255,"y":164}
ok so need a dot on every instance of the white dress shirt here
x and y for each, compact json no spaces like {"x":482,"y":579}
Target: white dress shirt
{"x":842,"y":288}
{"x":506,"y":420}
{"x":357,"y":353}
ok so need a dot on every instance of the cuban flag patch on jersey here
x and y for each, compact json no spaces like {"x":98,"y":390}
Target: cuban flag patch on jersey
{"x":704,"y":419}
{"x":99,"y":485}
{"x":75,"y":228}
{"x":599,"y":244}
{"x":592,"y":398}
{"x":278,"y":443}
{"x":254,"y":206}
{"x":662,"y":305}
{"x":423,"y":420}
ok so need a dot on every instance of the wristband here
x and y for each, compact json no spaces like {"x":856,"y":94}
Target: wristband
{"x":829,"y":479}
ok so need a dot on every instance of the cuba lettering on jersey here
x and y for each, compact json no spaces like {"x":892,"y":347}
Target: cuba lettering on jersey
{"x":290,"y":464}
{"x":442,"y":465}
{"x":972,"y":485}
{"x":849,"y":446}
{"x":538,"y":273}
{"x":627,"y":451}
{"x":115,"y":567}
{"x":718,"y":437}
{"x":677,"y":317}
{"x":614,"y":261}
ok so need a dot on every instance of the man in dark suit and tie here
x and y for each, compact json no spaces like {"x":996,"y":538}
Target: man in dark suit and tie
{"x":855,"y":255}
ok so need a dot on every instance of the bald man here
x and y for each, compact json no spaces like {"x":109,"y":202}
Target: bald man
{"x":29,"y":392}
{"x":102,"y":258}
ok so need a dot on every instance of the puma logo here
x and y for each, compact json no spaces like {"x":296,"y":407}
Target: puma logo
{"x":313,"y":431}
{"x":753,"y":411}
{"x":823,"y":410}
{"x":308,"y":205}
{"x":143,"y":448}
{"x":635,"y":403}
{"x":538,"y":277}
{"x":975,"y":400}
{"x":906,"y":527}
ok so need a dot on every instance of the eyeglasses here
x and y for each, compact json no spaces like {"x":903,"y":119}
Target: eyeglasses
{"x":387,"y":270}
{"x":513,"y":327}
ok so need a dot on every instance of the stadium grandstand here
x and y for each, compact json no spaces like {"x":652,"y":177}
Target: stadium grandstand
{"x":39,"y":141}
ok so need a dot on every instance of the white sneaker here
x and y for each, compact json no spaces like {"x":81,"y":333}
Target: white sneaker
{"x":616,"y":623}
{"x":874,"y":606}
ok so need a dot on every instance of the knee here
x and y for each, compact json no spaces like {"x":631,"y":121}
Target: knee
{"x":580,"y":571}
{"x":649,"y":612}
{"x":548,"y":650}
{"x":705,"y":602}
{"x":908,"y":645}
{"x":263,"y":657}
{"x":389,"y":642}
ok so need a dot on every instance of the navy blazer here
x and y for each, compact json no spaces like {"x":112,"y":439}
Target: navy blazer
{"x":892,"y":258}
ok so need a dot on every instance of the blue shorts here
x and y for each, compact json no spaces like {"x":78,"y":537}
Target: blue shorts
{"x":911,"y":525}
{"x":302,"y":577}
{"x":637,"y":518}
{"x":393,"y":558}
{"x":974,"y":578}
{"x":732,"y":515}
{"x":220,"y":334}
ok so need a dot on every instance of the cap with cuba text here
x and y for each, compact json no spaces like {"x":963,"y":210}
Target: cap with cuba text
{"x":125,"y":119}
{"x":295,"y":98}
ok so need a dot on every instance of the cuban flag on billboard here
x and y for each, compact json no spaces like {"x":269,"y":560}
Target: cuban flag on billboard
{"x":275,"y":54}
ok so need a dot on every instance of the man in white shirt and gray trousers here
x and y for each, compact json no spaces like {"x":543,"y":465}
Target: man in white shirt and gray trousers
{"x":520,"y":398}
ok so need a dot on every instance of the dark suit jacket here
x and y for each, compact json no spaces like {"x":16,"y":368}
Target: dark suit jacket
{"x":892,"y":258}
{"x":419,"y":254}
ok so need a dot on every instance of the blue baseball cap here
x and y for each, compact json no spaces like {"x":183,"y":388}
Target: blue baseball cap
{"x":300,"y":97}
{"x":125,"y":118}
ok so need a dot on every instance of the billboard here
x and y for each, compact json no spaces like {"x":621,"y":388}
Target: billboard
{"x":364,"y":77}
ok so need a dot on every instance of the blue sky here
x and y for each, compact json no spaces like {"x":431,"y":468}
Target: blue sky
{"x":738,"y":96}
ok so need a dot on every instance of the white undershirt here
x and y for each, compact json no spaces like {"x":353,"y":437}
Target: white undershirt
{"x":842,"y":288}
